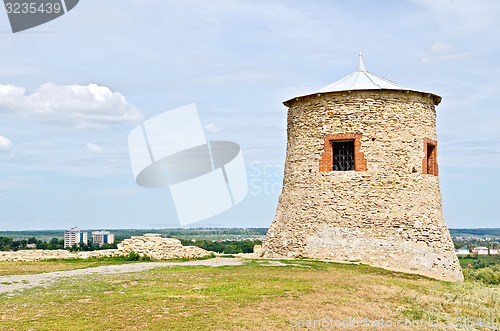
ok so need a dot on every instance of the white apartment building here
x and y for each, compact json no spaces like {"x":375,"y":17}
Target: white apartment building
{"x":102,"y":237}
{"x":74,"y":236}
{"x":462,"y":251}
{"x":480,"y":250}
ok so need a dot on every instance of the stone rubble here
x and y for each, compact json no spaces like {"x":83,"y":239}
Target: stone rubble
{"x":158,"y":248}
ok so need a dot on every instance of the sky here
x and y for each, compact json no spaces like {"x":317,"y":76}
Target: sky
{"x":73,"y":89}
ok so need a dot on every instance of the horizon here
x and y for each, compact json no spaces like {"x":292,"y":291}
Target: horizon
{"x":193,"y":228}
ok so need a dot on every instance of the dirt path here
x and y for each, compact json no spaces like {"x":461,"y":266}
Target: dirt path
{"x":13,"y":283}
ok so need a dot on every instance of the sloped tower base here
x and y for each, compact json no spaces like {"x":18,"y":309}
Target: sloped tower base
{"x":388,"y":211}
{"x":348,"y":224}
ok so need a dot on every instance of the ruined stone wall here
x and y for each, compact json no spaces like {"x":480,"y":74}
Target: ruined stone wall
{"x":389,"y":215}
{"x":151,"y":245}
{"x":35,"y":255}
{"x":40,"y":254}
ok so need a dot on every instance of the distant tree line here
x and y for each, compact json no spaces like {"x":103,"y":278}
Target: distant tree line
{"x":9,"y":244}
{"x":475,"y":232}
{"x":92,"y":247}
{"x":226,"y":247}
{"x":206,"y":233}
{"x":180,"y":233}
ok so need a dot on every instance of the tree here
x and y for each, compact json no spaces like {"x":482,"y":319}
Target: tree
{"x":55,"y":243}
{"x":5,"y":243}
{"x":232,"y":249}
{"x":42,"y":245}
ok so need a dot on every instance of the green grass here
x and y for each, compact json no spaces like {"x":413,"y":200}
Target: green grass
{"x":253,"y":296}
{"x":481,"y":268}
{"x":478,"y":261}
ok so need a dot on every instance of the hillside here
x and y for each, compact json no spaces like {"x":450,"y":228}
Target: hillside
{"x":478,"y":232}
{"x":205,"y":233}
{"x":179,"y":233}
{"x":257,"y":295}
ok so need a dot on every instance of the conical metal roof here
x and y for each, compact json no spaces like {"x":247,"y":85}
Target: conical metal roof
{"x":361,"y":79}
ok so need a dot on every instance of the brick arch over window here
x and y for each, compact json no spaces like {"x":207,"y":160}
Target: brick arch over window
{"x":429,"y":162}
{"x":326,"y":161}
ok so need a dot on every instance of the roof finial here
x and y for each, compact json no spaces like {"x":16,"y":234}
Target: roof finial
{"x":361,"y":63}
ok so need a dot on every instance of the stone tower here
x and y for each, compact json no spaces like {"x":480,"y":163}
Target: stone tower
{"x":361,"y":179}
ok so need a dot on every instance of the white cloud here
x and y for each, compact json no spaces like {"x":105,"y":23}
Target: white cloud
{"x":212,"y":128}
{"x":76,"y":105}
{"x":5,"y":143}
{"x":445,"y":58}
{"x":440,"y":47}
{"x":443,"y":52}
{"x":93,"y":148}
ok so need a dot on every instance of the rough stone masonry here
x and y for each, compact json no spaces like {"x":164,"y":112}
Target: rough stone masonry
{"x":387,"y":211}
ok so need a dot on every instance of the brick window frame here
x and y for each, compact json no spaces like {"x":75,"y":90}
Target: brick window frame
{"x":326,"y":161}
{"x":429,"y":162}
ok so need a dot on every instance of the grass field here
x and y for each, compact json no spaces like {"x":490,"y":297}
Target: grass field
{"x":478,"y":261}
{"x":253,"y":296}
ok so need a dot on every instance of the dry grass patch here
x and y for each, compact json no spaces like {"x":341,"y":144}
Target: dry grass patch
{"x":35,"y":267}
{"x":252,"y":296}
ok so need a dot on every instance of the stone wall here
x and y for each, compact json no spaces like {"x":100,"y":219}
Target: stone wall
{"x":35,"y":255}
{"x":389,"y":215}
{"x":151,"y":245}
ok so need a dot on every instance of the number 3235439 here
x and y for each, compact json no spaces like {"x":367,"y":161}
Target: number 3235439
{"x":32,"y":8}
